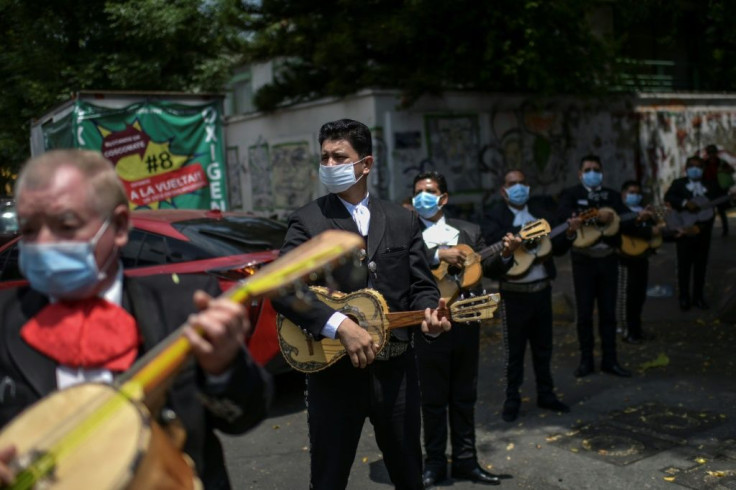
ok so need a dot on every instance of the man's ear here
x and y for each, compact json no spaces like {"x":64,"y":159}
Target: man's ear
{"x":367,"y":164}
{"x":444,"y":199}
{"x":120,"y":221}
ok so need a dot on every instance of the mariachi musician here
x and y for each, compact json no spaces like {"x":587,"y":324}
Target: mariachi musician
{"x":692,"y":249}
{"x":634,"y":269}
{"x":526,"y":299}
{"x":448,"y":366}
{"x":595,"y":267}
{"x":81,"y":320}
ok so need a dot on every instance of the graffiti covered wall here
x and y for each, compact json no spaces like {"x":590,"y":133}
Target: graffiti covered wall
{"x":671,"y":132}
{"x":474,"y":139}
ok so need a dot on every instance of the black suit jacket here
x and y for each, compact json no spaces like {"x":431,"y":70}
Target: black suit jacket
{"x":159,"y":306}
{"x":395,"y":249}
{"x":500,"y":220}
{"x":678,"y":193}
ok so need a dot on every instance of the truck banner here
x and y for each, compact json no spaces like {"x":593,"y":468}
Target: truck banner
{"x":168,"y":155}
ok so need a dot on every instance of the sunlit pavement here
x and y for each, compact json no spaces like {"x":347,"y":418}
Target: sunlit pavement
{"x":672,"y":425}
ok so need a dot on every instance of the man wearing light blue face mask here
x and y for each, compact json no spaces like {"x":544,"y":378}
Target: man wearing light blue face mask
{"x":526,"y":298}
{"x":81,"y":320}
{"x":634,"y":270}
{"x":595,"y":267}
{"x":381,"y":386}
{"x":448,"y":366}
{"x":692,"y":249}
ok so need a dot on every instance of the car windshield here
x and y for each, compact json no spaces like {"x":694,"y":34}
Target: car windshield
{"x":233,"y":234}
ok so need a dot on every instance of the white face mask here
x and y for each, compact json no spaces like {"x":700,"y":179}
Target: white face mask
{"x":339,"y":178}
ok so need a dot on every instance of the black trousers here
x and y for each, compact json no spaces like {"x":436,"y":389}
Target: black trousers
{"x":692,"y":259}
{"x":338,"y":401}
{"x":527,"y":317}
{"x":448,"y":375}
{"x":595,"y":281}
{"x":633,"y":279}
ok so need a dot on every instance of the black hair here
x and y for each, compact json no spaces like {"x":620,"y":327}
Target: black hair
{"x":629,"y":183}
{"x":434,"y":175}
{"x":590,"y":158}
{"x":694,"y":158}
{"x":354,"y":132}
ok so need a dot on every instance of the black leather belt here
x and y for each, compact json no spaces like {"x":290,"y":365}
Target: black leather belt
{"x":392,"y":349}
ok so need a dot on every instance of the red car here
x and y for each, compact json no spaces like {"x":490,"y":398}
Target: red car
{"x":229,"y":245}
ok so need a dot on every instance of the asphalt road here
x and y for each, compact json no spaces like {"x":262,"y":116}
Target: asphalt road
{"x":672,"y":425}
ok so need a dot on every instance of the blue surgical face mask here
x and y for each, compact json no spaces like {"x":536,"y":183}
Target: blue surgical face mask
{"x":339,"y":178}
{"x":632,"y":199}
{"x":518,"y":194}
{"x":694,"y":173}
{"x":592,"y":178}
{"x":426,"y":204}
{"x":62,"y":270}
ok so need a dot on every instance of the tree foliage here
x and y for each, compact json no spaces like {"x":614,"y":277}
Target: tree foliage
{"x":334,"y":47}
{"x":53,"y":48}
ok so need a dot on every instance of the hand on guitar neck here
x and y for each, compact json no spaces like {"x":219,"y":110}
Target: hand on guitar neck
{"x":360,"y":346}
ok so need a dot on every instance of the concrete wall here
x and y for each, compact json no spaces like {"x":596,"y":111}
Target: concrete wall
{"x":474,"y":138}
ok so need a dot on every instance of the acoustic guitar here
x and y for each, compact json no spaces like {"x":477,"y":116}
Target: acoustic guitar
{"x":633,"y":246}
{"x":367,"y":308}
{"x":532,"y":251}
{"x":450,"y":279}
{"x":96,"y":436}
{"x":685,"y":218}
{"x":592,"y":229}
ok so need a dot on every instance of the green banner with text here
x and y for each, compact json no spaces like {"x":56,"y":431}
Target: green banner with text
{"x":168,"y":155}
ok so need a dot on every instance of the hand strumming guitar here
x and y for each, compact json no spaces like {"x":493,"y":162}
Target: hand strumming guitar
{"x":692,"y":206}
{"x":605,"y":216}
{"x":453,"y":256}
{"x":358,"y":343}
{"x":510,"y":243}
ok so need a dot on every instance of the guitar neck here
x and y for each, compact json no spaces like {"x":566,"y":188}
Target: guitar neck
{"x":401,"y":319}
{"x":491,"y":250}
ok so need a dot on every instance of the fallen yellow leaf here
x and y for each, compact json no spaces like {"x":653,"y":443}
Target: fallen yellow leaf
{"x":701,"y":460}
{"x":669,"y":478}
{"x":510,"y":446}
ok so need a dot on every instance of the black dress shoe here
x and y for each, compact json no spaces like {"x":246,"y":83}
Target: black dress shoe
{"x":616,"y":370}
{"x":684,"y":304}
{"x":700,"y":303}
{"x":476,"y":475}
{"x":584,"y":369}
{"x":432,"y":476}
{"x":510,"y":410}
{"x":554,"y":405}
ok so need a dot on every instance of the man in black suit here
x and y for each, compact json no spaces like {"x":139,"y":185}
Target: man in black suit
{"x":74,"y":217}
{"x":692,"y":249}
{"x":448,"y":366}
{"x":395,"y":264}
{"x":595,"y":267}
{"x":634,"y":269}
{"x":526,"y":298}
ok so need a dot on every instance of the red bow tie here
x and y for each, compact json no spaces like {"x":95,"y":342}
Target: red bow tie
{"x":88,"y":333}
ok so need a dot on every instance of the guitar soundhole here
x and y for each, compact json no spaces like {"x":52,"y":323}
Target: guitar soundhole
{"x":532,"y":244}
{"x":454,"y":270}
